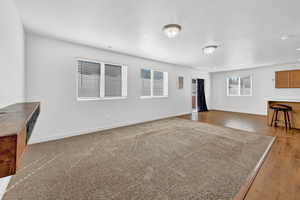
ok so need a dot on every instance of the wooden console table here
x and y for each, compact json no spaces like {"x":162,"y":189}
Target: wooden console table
{"x":16,"y":125}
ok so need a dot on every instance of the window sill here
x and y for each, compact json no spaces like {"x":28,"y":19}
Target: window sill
{"x":100,"y":99}
{"x":239,"y":95}
{"x":113,"y":98}
{"x":88,"y":99}
{"x":153,"y":97}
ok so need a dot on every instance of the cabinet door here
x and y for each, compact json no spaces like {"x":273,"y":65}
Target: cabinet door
{"x":8,"y":146}
{"x":295,"y":79}
{"x":282,"y":79}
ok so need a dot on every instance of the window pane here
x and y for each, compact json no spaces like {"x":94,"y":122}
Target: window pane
{"x":233,"y":86}
{"x":246,"y":85}
{"x":146,"y":82}
{"x":180,"y":82}
{"x":113,"y":80}
{"x":158,"y":83}
{"x":88,"y":79}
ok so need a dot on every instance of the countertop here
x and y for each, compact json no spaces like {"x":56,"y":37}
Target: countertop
{"x":14,"y":117}
{"x":285,"y":100}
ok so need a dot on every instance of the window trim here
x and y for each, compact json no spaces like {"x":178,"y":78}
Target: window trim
{"x":153,"y":97}
{"x":239,"y":86}
{"x":102,"y":96}
{"x":165,"y":83}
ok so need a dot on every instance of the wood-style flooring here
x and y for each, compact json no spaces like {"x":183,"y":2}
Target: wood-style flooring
{"x":279,"y":176}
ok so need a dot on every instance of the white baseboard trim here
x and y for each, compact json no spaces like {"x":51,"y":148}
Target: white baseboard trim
{"x":3,"y":185}
{"x":239,"y":111}
{"x":92,"y":130}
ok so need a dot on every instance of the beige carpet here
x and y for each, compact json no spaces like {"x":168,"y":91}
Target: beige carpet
{"x":167,"y":159}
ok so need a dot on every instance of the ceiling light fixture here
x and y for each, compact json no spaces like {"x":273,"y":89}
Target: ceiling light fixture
{"x":171,"y":30}
{"x":209,"y":49}
{"x":284,"y":37}
{"x":298,"y":49}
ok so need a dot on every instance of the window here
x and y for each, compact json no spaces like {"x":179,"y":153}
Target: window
{"x":113,"y":80}
{"x":233,"y":86}
{"x":88,"y":79}
{"x":246,"y":86}
{"x":158,"y":83}
{"x":154,"y":83}
{"x":239,"y":86}
{"x":98,"y":80}
{"x":146,"y":82}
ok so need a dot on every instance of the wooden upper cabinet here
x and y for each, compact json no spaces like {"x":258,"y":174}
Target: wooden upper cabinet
{"x":282,"y":79}
{"x":287,"y":79}
{"x":295,"y":79}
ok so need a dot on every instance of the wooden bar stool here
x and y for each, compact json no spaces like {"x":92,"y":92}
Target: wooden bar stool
{"x":285,"y":110}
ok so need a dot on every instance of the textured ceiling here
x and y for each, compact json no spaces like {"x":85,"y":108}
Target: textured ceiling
{"x":248,"y":31}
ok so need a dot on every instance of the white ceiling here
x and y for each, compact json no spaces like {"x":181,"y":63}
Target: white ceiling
{"x":248,"y":31}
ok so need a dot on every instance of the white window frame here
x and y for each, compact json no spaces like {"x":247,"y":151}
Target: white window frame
{"x":239,"y":86}
{"x":124,"y":69}
{"x":165,"y":86}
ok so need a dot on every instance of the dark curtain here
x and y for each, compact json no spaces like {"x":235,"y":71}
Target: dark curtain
{"x":201,"y":96}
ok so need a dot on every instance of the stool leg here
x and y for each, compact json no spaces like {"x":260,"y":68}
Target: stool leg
{"x":276,"y":118}
{"x":285,"y":119}
{"x":272,"y":121}
{"x":289,"y":121}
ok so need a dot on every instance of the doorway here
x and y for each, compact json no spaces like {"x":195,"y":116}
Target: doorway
{"x":198,"y":96}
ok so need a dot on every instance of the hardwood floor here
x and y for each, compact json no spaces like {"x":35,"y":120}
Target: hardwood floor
{"x":279,"y":176}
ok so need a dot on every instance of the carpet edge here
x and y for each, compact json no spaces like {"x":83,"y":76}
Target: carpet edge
{"x":250,"y":179}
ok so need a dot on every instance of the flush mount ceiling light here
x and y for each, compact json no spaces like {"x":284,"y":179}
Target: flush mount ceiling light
{"x":298,"y":49}
{"x":288,"y":37}
{"x":171,"y":30}
{"x":209,"y":49}
{"x":284,"y":37}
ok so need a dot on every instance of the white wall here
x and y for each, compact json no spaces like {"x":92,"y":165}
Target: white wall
{"x":11,"y":54}
{"x":51,"y":79}
{"x":263,"y":89}
{"x":12,"y":61}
